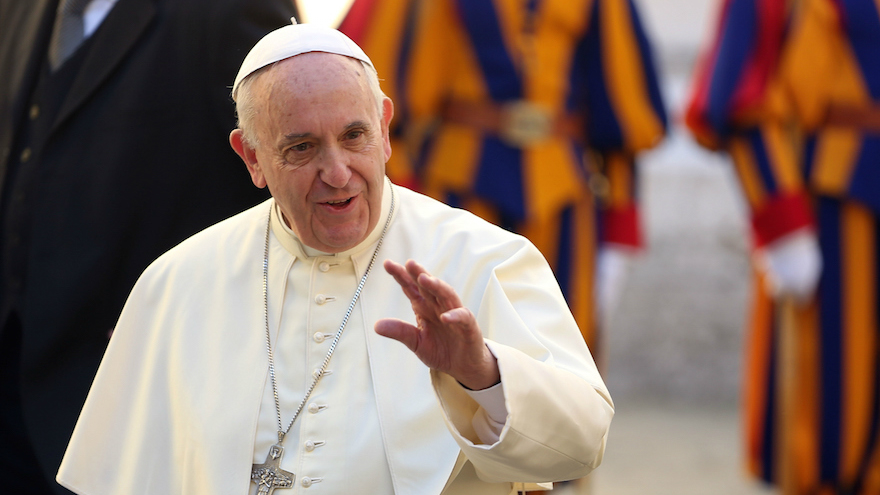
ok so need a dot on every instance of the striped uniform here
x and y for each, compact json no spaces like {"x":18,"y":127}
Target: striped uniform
{"x":791,"y":90}
{"x":574,"y":77}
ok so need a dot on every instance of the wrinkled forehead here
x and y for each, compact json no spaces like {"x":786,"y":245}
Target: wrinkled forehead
{"x":307,"y":74}
{"x":309,"y":92}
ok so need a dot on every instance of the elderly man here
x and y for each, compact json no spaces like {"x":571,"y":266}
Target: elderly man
{"x":264,"y":350}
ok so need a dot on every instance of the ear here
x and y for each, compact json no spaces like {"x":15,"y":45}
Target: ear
{"x":248,"y":156}
{"x":387,"y":114}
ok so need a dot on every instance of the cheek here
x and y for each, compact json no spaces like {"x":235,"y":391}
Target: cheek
{"x":295,"y":187}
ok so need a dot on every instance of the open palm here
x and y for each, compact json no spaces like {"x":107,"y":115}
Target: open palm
{"x":446,"y":337}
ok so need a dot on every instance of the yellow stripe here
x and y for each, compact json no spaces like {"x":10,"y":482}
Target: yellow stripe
{"x":550,"y":168}
{"x":797,"y":392}
{"x":805,"y":438}
{"x":544,"y":234}
{"x":452,"y":161}
{"x":859,"y":337}
{"x":788,"y":399}
{"x":441,"y":63}
{"x":620,"y":179}
{"x":757,"y":368}
{"x":836,"y":153}
{"x":582,"y":293}
{"x":744,"y":161}
{"x":626,"y":82}
{"x":837,"y":148}
{"x":809,"y":66}
{"x":550,"y":179}
{"x":559,"y":25}
{"x":382,"y":41}
{"x":783,"y":159}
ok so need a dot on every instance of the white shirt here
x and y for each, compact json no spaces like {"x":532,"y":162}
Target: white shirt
{"x":94,"y":14}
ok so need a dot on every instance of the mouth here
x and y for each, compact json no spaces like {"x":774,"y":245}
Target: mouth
{"x":338,"y":204}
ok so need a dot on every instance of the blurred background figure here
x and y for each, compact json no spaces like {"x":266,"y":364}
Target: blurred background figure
{"x":529,"y":114}
{"x":114,"y":125}
{"x":384,"y":29}
{"x":791,"y":90}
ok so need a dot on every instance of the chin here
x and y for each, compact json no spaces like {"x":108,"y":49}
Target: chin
{"x":342,"y":242}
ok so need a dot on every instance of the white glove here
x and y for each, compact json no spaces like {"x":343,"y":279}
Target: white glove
{"x":793,"y":264}
{"x":612,"y":268}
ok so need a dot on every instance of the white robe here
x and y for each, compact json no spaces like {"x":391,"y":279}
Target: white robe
{"x":175,"y":405}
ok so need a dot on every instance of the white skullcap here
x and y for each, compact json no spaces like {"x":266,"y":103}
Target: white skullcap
{"x":296,"y":39}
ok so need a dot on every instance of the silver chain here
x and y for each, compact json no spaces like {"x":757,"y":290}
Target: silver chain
{"x":320,"y":373}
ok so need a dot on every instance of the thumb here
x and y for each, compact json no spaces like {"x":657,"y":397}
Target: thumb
{"x":398,"y":330}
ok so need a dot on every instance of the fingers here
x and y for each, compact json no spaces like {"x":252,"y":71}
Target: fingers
{"x":434,"y":301}
{"x":458,"y":316}
{"x":443,"y":295}
{"x":414,"y":278}
{"x":403,"y":278}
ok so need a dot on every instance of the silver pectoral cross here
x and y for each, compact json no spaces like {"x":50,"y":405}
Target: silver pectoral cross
{"x":268,"y":476}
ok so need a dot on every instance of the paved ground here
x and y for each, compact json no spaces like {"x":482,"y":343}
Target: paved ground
{"x":664,"y":449}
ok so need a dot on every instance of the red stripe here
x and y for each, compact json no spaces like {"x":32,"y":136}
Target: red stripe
{"x":695,"y":115}
{"x":357,"y":20}
{"x":780,"y":216}
{"x":771,"y":28}
{"x":621,"y":226}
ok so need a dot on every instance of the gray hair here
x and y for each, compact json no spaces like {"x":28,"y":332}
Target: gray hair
{"x":246,"y":103}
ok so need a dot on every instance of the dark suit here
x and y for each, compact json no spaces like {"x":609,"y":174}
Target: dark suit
{"x":100,"y":179}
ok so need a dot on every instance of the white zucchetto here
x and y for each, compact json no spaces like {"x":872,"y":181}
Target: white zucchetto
{"x":296,"y":39}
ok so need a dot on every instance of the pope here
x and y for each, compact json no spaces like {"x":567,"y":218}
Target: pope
{"x":264,"y":353}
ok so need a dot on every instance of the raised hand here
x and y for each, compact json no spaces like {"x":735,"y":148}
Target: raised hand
{"x":447,"y":337}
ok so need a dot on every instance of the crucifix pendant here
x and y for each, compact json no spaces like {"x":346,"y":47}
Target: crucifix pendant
{"x":268,"y":476}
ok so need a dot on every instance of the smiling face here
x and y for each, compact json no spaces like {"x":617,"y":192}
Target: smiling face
{"x":321,"y":149}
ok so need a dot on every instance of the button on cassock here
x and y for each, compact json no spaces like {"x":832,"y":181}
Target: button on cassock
{"x":318,"y":371}
{"x":311,"y":445}
{"x":324,"y":266}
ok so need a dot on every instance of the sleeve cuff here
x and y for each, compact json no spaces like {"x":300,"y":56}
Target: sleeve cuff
{"x":621,"y":226}
{"x":780,"y":216}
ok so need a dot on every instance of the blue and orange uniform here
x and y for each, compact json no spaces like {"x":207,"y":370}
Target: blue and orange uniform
{"x":525,"y":112}
{"x":791,"y":89}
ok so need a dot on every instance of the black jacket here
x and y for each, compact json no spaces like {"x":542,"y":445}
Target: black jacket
{"x":136,"y":160}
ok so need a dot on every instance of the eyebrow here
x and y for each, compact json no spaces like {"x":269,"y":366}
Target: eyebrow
{"x":295,"y":137}
{"x":358,"y":123}
{"x":288,"y":138}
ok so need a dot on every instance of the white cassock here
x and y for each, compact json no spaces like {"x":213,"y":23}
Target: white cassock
{"x":182,"y":402}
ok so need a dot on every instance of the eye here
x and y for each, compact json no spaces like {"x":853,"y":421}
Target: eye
{"x":300,"y":147}
{"x":354,"y":134}
{"x":297,"y":153}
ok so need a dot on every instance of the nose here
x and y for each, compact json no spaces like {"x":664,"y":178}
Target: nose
{"x":335,"y":171}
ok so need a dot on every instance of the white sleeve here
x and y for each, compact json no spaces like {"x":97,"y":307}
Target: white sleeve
{"x":490,"y":418}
